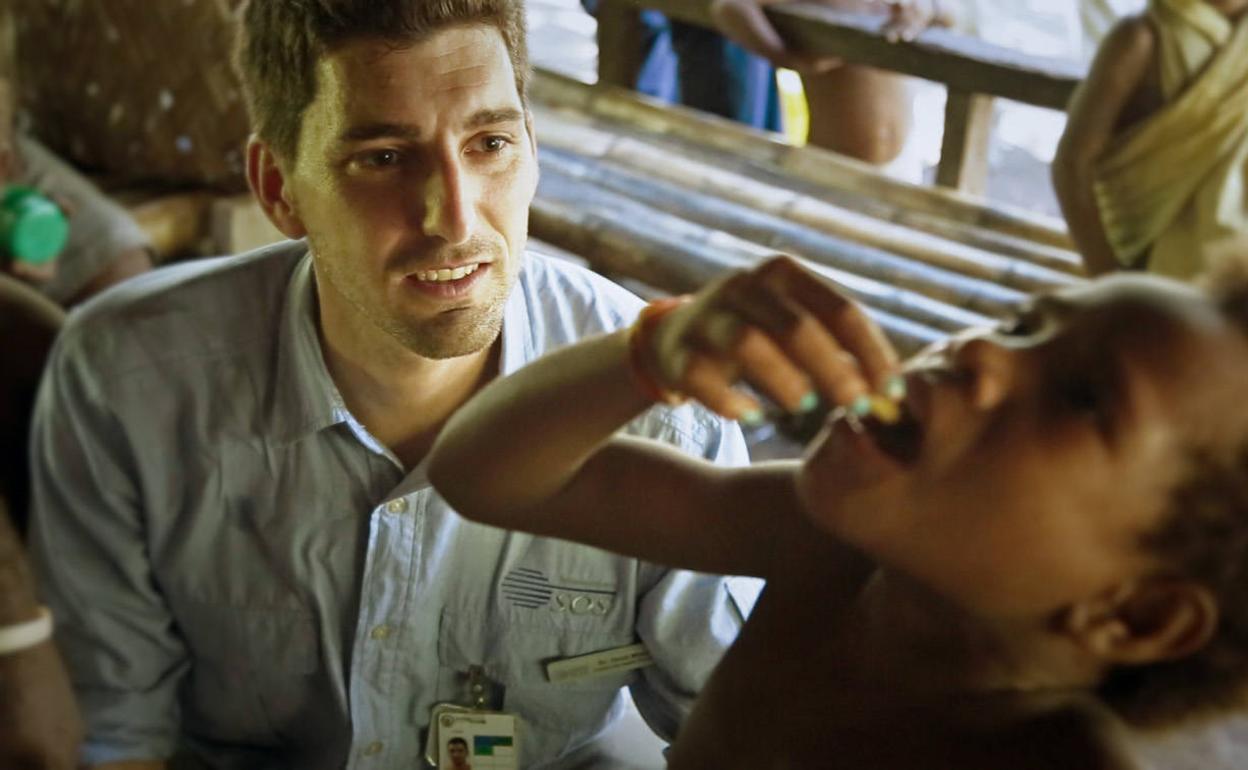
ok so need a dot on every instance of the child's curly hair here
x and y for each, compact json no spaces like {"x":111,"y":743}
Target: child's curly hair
{"x":1205,"y":536}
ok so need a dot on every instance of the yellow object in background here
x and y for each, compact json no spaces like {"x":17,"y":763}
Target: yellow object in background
{"x":794,"y":115}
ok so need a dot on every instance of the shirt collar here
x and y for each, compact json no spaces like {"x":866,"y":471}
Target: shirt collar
{"x":306,"y":399}
{"x":519,"y":329}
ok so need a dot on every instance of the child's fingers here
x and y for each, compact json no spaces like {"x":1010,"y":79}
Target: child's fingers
{"x":765,"y":366}
{"x":802,"y":342}
{"x":745,"y":22}
{"x":851,"y":330}
{"x":709,"y":380}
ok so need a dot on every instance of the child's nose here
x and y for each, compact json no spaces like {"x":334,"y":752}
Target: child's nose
{"x":990,"y":368}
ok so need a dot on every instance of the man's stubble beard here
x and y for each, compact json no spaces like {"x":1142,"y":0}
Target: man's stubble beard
{"x":450,"y":334}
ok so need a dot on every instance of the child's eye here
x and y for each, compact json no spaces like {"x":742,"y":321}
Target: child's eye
{"x":1025,"y":324}
{"x":1081,"y":396}
{"x":1087,"y":399}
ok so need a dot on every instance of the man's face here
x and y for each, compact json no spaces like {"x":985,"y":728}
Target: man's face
{"x":1047,"y":449}
{"x":458,"y":753}
{"x":414,"y":173}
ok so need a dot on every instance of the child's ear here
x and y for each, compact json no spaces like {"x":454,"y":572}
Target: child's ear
{"x":267,"y":180}
{"x":1144,"y":621}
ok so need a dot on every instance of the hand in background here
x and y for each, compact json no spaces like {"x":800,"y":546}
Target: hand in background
{"x":908,"y":18}
{"x":745,"y":22}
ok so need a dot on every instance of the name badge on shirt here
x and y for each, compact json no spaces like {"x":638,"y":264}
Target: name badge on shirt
{"x":614,"y":660}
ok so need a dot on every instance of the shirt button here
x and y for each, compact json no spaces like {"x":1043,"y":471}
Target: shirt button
{"x":397,"y":506}
{"x":380,"y":632}
{"x":373,"y":749}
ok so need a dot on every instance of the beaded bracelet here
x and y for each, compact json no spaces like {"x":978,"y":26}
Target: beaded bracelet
{"x":639,"y":337}
{"x":21,"y":636}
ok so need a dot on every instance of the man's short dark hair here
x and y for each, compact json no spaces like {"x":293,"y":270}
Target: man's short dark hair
{"x":458,"y":740}
{"x":1204,"y":537}
{"x":282,"y":40}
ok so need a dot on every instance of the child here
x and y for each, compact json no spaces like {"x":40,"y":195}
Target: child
{"x":1052,"y":533}
{"x":1155,"y":151}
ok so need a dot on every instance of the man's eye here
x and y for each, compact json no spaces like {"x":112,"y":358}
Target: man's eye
{"x":380,"y":158}
{"x":495,"y":143}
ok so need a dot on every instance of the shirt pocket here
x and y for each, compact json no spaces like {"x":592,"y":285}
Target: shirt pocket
{"x":253,"y":671}
{"x":512,"y":650}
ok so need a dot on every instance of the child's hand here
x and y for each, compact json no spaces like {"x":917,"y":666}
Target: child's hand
{"x":40,"y":274}
{"x":778,"y":327}
{"x":907,"y":18}
{"x":744,"y":22}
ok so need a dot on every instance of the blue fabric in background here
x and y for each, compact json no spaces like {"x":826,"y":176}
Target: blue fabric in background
{"x":700,"y":68}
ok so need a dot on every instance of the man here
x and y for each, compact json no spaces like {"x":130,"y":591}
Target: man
{"x":39,"y":725}
{"x":457,"y":749}
{"x":232,"y":518}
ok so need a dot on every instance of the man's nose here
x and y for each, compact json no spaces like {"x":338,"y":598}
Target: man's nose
{"x":450,"y":203}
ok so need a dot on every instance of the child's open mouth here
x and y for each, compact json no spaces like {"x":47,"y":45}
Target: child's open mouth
{"x":901,"y":440}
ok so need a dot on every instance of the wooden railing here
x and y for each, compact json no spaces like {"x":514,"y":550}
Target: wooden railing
{"x":974,"y":72}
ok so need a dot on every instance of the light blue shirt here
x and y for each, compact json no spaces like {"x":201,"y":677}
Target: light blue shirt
{"x":238,"y":569}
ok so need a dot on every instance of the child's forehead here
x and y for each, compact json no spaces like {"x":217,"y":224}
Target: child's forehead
{"x":1127,"y":307}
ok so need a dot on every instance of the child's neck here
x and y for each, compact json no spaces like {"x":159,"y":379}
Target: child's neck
{"x":902,"y":632}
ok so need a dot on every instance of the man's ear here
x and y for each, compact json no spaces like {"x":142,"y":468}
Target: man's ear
{"x":528,"y":126}
{"x":1144,"y":621}
{"x":268,"y":184}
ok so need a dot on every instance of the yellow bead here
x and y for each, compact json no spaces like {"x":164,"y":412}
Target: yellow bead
{"x":885,"y":410}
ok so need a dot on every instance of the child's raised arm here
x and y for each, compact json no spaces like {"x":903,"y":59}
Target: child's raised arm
{"x":535,"y":451}
{"x":1095,"y":116}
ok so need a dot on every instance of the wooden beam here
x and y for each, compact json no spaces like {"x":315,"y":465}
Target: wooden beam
{"x":964,"y":149}
{"x":621,"y":37}
{"x":959,"y":61}
{"x":859,"y":184}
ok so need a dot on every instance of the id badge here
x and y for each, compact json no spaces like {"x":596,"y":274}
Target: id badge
{"x":473,"y":737}
{"x":475,"y":740}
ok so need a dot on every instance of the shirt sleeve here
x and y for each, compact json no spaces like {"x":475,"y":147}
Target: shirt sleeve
{"x":688,"y":620}
{"x":87,"y":545}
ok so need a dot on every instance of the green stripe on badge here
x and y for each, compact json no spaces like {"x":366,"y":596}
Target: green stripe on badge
{"x":484,"y":745}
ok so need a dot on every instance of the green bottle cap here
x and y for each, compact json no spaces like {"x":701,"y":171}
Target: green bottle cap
{"x":33,"y":229}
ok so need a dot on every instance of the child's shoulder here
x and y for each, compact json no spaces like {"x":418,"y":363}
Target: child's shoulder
{"x":1132,"y":36}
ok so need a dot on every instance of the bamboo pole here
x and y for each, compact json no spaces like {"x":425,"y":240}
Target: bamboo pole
{"x":676,"y":268}
{"x":652,"y":234}
{"x":944,"y":56}
{"x":732,"y":185}
{"x":807,"y":163}
{"x":780,"y":235}
{"x":852,"y":214}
